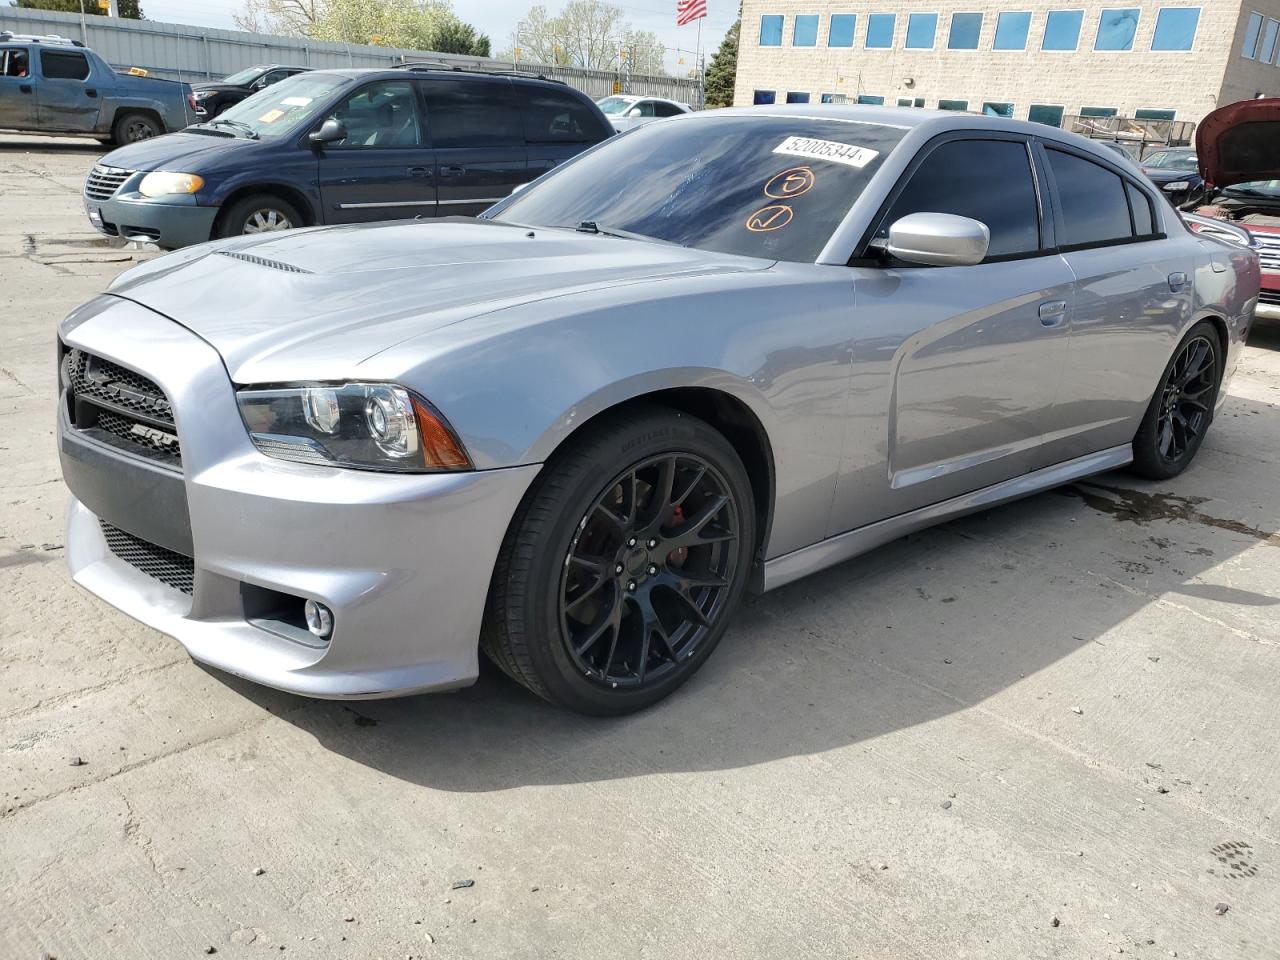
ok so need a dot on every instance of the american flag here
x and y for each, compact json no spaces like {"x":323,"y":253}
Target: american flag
{"x":688,"y":11}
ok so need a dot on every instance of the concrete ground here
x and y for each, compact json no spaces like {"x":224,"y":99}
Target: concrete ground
{"x":1048,"y":730}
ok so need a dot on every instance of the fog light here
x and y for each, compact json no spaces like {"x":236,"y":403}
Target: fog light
{"x":319,"y":619}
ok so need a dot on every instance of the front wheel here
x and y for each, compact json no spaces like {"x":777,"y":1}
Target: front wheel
{"x":261,"y":213}
{"x":1182,"y":407}
{"x":624,"y":564}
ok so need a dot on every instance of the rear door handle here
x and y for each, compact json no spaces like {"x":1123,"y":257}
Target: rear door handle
{"x":419,"y":171}
{"x":452,"y":171}
{"x":1178,"y":282}
{"x":91,"y":93}
{"x":1053,"y":312}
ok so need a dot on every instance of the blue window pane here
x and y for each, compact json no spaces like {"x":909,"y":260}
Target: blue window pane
{"x":965,"y":29}
{"x":921,"y":28}
{"x":1062,"y":30}
{"x":793,"y":97}
{"x":1012,"y":29}
{"x":1154,"y":114}
{"x":1116,"y":28}
{"x":1251,"y":36}
{"x":763,"y":96}
{"x":1097,"y":111}
{"x":770,"y":31}
{"x":841,"y":34}
{"x":867,"y":98}
{"x":1040,"y":113}
{"x":880,"y":28}
{"x":805,"y":32}
{"x":1268,"y":42}
{"x":953,"y":104}
{"x":997,"y":109}
{"x":1176,"y":28}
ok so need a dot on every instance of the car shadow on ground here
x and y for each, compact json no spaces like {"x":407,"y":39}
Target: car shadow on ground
{"x":17,"y":144}
{"x":929,"y":625}
{"x":1265,"y":335}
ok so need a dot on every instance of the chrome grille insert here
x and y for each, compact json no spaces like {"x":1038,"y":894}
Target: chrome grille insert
{"x":103,"y":182}
{"x":172,"y":569}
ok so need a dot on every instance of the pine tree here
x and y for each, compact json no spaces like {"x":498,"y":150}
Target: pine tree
{"x":723,"y":69}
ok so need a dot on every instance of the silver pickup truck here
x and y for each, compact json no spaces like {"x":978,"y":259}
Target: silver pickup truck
{"x":52,"y":85}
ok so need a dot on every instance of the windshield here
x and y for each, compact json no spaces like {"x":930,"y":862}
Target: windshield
{"x":281,"y":107}
{"x":614,"y":105}
{"x":244,"y":76}
{"x":774,"y":186}
{"x":1170,"y":160}
{"x":1256,"y":188}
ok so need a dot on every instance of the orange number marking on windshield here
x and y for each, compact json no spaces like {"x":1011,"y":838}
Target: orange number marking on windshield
{"x":773,"y":217}
{"x":790,"y":183}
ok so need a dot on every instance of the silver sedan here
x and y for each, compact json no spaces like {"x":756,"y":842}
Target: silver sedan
{"x":571,"y":434}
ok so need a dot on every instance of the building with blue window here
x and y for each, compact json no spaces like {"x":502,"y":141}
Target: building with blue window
{"x":1045,"y":61}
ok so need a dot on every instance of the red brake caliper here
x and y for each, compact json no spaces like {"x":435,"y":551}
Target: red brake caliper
{"x":677,"y":556}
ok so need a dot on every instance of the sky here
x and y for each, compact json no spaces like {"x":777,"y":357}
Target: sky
{"x":498,"y":18}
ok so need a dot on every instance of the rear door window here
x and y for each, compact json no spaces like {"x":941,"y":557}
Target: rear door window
{"x":59,"y":65}
{"x":985,"y":180}
{"x":1143,"y":217}
{"x":472,"y":113}
{"x":1092,"y":199}
{"x":661,"y":109}
{"x":557,"y":116}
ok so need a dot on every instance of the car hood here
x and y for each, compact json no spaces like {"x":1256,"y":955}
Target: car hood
{"x":313,"y":304}
{"x":220,"y":87}
{"x":1238,"y":143}
{"x":1162,"y":175}
{"x":180,"y":152}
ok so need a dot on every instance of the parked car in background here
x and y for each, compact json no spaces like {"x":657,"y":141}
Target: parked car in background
{"x":53,"y":85}
{"x":343,"y":146}
{"x":212,"y":98}
{"x":728,"y":349}
{"x":1238,"y":151}
{"x":1176,"y":171}
{"x":1125,"y":150}
{"x":628,"y":110}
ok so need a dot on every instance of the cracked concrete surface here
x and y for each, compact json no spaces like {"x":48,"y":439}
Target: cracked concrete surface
{"x":1089,"y":678}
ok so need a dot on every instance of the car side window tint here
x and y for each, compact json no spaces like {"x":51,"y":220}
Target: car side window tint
{"x":1094,"y":206}
{"x":1143,"y":217}
{"x":985,"y":180}
{"x":644,"y":108}
{"x":275,"y":76}
{"x":380,"y":115}
{"x":557,"y":116}
{"x":56,"y":65}
{"x":472,"y":113}
{"x":14,"y":62}
{"x":666,"y":110}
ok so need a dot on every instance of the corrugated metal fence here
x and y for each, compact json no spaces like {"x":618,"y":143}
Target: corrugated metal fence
{"x":179,"y":52}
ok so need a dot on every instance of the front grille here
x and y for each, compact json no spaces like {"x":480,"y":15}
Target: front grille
{"x":1269,"y":296}
{"x":103,"y":182}
{"x":172,"y":569}
{"x":1268,"y":250}
{"x":117,"y":406}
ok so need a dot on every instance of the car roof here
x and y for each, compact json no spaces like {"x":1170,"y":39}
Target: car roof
{"x":399,"y":73}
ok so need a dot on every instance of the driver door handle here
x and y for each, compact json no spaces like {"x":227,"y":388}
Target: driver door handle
{"x":24,"y":87}
{"x":1053,"y":312}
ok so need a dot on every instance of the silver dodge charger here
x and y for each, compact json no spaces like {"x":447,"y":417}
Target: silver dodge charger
{"x":716,"y":354}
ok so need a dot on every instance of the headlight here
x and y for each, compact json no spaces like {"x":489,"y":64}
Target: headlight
{"x":160,"y":184}
{"x":369,"y":426}
{"x":202,"y":94}
{"x":1178,"y":185}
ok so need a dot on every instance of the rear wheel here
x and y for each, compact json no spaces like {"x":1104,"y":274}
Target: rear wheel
{"x":1181,"y":408}
{"x":624,"y":564}
{"x":260,"y":213}
{"x":132,"y":127}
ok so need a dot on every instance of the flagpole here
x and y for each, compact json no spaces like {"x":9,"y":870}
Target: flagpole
{"x":702,"y":87}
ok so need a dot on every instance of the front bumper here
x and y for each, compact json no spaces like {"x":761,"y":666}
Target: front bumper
{"x":169,"y":225}
{"x":403,"y":561}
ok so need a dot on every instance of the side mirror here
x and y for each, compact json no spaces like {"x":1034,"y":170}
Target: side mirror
{"x":938,"y":239}
{"x":331,"y":131}
{"x":633,"y":112}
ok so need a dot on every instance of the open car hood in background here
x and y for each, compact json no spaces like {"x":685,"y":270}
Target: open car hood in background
{"x":1240,"y":142}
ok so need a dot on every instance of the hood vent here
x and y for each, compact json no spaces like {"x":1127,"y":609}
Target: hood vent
{"x":262,"y":261}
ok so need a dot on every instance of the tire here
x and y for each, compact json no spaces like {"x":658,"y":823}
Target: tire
{"x":1181,"y":408}
{"x":133,"y":127}
{"x":256,"y":214}
{"x":682,"y":579}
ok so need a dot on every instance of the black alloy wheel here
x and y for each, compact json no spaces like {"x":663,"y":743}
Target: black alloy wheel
{"x":1181,"y":410}
{"x":649,"y":571}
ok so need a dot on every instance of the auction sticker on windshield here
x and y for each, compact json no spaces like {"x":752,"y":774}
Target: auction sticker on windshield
{"x":813,"y":149}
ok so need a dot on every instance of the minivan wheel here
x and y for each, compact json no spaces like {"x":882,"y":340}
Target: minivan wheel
{"x":260,"y":213}
{"x":132,"y":127}
{"x":1181,"y":408}
{"x":624,"y":563}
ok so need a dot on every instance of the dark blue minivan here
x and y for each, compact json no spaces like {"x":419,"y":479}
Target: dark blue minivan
{"x":343,"y":146}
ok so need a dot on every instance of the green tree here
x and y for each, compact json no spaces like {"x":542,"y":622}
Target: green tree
{"x":722,"y":71}
{"x":427,"y":25}
{"x":454,"y":36}
{"x":129,"y":9}
{"x":586,"y":33}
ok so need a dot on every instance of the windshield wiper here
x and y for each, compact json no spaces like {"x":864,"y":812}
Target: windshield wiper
{"x":249,"y":132}
{"x":591,"y":226}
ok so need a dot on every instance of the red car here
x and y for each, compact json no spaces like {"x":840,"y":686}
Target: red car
{"x":1239,"y":150}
